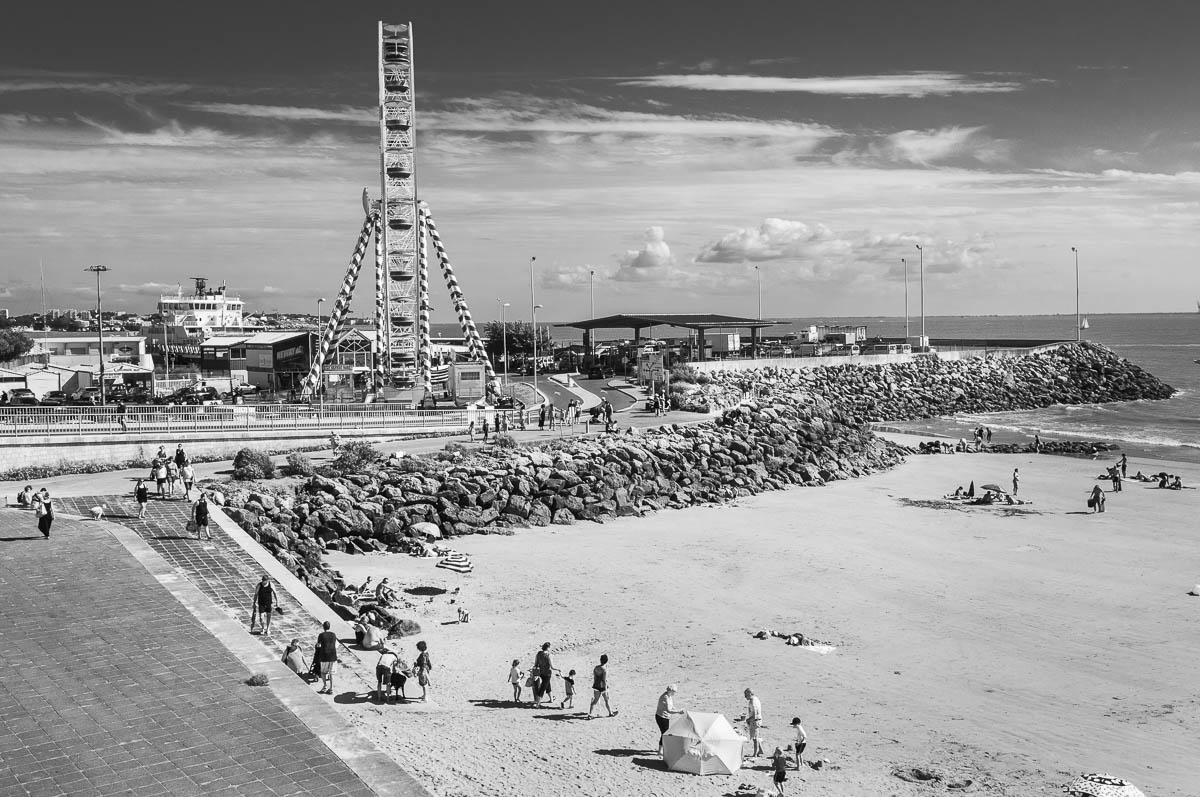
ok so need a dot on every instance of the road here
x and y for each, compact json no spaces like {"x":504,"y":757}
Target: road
{"x":560,"y":396}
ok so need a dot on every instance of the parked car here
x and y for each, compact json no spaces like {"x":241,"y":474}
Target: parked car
{"x":20,"y":391}
{"x":23,"y":401}
{"x":601,"y":372}
{"x":87,"y":391}
{"x":55,"y":398}
{"x":86,"y":400}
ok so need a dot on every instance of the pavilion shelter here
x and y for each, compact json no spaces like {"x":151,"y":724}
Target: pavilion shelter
{"x":700,"y":323}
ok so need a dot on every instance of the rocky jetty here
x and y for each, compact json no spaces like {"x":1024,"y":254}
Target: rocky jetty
{"x":1075,"y":373}
{"x":795,"y":427}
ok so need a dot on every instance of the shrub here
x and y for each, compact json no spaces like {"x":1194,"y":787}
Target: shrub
{"x":299,"y":465}
{"x":683,"y":373}
{"x":354,"y":456}
{"x":455,"y":447}
{"x":258,"y":679}
{"x":251,"y":463}
{"x":505,"y":440}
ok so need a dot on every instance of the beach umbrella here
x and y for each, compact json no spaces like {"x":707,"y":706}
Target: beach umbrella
{"x":702,"y":744}
{"x":995,"y":488}
{"x":1098,"y":784}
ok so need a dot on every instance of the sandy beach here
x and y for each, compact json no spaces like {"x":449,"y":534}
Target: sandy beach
{"x":1013,"y":647}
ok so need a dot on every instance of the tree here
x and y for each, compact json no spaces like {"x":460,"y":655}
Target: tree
{"x":13,"y":344}
{"x":520,"y":339}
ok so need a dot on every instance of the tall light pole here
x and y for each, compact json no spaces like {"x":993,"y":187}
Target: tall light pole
{"x":921,"y":249}
{"x":504,"y":337}
{"x":320,"y":393}
{"x":533,"y":314}
{"x":98,"y":270}
{"x":904,"y":260}
{"x":1078,"y":328}
{"x":592,"y":291}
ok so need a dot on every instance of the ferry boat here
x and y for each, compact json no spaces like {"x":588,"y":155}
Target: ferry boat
{"x":187,"y":319}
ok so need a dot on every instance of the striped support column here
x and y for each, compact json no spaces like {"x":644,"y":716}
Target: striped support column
{"x":470,"y":333}
{"x":382,"y":358}
{"x":424,"y":342}
{"x":341,"y":306}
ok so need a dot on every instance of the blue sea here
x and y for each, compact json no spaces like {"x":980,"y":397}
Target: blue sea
{"x":1165,"y":344}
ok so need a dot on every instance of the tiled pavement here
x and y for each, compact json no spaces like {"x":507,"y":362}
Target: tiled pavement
{"x":221,"y":569}
{"x":111,"y":687}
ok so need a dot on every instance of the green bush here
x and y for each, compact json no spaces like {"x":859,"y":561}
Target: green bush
{"x":505,"y":440}
{"x":354,"y":456}
{"x":455,"y":447}
{"x":258,"y":679}
{"x":299,"y":465}
{"x":251,"y":463}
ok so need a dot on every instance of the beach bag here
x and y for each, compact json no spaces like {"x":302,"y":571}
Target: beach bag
{"x":1091,"y":503}
{"x":191,"y":527}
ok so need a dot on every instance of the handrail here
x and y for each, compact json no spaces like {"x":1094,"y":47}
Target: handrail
{"x":110,"y":421}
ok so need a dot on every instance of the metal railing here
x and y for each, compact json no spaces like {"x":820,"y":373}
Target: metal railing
{"x":109,"y":420}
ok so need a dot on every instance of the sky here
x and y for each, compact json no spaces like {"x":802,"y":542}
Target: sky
{"x":652,"y":156}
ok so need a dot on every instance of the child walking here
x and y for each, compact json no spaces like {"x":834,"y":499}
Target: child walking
{"x":568,"y":690}
{"x":514,"y":677}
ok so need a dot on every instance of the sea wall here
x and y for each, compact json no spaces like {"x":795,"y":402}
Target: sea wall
{"x":795,"y":427}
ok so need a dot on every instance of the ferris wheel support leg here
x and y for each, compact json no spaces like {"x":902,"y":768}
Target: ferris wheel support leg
{"x":470,"y":333}
{"x":424,"y":342}
{"x":382,"y":342}
{"x":341,"y":306}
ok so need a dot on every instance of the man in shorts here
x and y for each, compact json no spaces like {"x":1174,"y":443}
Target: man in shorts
{"x":263,"y":604}
{"x":326,"y":655}
{"x":754,"y":720}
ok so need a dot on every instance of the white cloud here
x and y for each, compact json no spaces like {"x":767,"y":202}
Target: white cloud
{"x":651,"y":263}
{"x":912,"y":84}
{"x":570,"y":277}
{"x":289,"y":113}
{"x":927,"y":147}
{"x":147,"y":288}
{"x":817,"y":253}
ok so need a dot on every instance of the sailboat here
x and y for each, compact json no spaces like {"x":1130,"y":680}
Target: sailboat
{"x":1084,"y":323}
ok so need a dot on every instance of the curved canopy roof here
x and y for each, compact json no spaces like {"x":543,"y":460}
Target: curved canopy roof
{"x":682,"y":320}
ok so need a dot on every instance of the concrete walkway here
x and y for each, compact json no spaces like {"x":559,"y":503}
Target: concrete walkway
{"x":113,"y":686}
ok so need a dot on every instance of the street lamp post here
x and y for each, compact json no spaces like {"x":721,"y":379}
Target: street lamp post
{"x":592,"y":291}
{"x":98,"y":270}
{"x":904,"y":260}
{"x":1078,"y":327}
{"x":533,"y":306}
{"x":504,"y":338}
{"x":320,"y":393}
{"x":921,"y":249}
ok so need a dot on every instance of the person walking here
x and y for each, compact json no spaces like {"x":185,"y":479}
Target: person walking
{"x":515,"y":677}
{"x":545,"y":671}
{"x":200,"y":516}
{"x":541,"y":417}
{"x":325,"y":656}
{"x":172,"y":477}
{"x":1124,"y":466}
{"x":159,"y":472}
{"x":662,"y":715}
{"x":121,"y":412}
{"x":600,"y":687}
{"x":1096,"y":502}
{"x":1016,"y":480}
{"x":801,"y":741}
{"x":421,"y":668}
{"x":754,"y":720}
{"x":180,"y":457}
{"x":141,"y":494}
{"x":262,"y":604}
{"x":188,"y":474}
{"x":45,"y":513}
{"x":779,"y":770}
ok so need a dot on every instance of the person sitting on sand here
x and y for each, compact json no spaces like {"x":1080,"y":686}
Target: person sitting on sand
{"x":1177,"y":484}
{"x":385,"y":594}
{"x":1162,"y":480}
{"x":958,"y":491}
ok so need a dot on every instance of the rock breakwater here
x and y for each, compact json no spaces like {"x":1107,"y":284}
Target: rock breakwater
{"x":797,"y":427}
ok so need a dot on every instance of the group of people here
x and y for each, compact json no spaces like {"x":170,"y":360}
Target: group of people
{"x":171,"y":472}
{"x":41,"y":504}
{"x":1116,"y":475}
{"x":540,"y":680}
